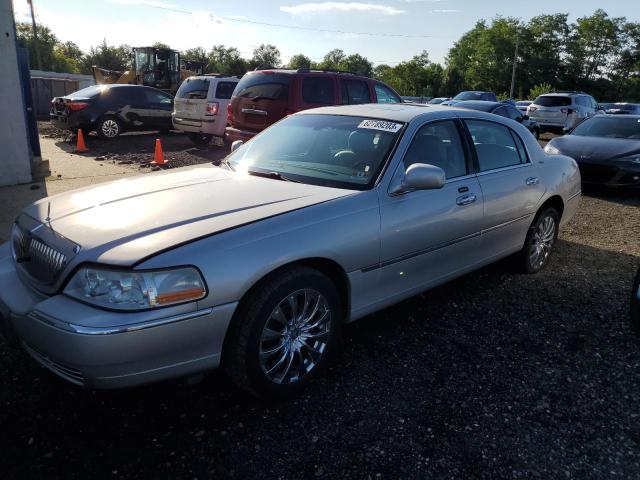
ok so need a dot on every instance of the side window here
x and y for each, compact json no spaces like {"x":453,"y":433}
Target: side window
{"x":594,"y":104}
{"x":224,"y":90}
{"x":156,"y":97}
{"x":495,"y":145}
{"x":318,"y":90}
{"x":354,"y":92}
{"x":385,"y":95}
{"x":500,"y":111}
{"x":438,"y":144}
{"x":513,"y":114}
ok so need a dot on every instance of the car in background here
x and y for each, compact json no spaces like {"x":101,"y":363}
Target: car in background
{"x":558,"y":111}
{"x":471,"y":95}
{"x":607,"y":149}
{"x":620,"y":108}
{"x":523,"y":104}
{"x":110,"y":110}
{"x":635,"y":303}
{"x":324,"y":218}
{"x":438,"y":100}
{"x":200,"y":106}
{"x":504,"y":109}
{"x":263,"y":97}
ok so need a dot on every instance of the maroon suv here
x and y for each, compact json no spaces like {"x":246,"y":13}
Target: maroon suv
{"x":263,"y":97}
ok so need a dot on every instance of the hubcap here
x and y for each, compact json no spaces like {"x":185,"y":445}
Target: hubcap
{"x":542,"y":242}
{"x":295,"y":336}
{"x":110,"y":128}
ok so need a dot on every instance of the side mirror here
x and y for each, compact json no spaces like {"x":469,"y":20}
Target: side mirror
{"x":236,"y":145}
{"x":420,"y":176}
{"x":566,"y":130}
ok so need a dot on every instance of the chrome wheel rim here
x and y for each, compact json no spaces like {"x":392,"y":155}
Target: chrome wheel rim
{"x":110,"y":128}
{"x":542,"y":242}
{"x":295,"y":336}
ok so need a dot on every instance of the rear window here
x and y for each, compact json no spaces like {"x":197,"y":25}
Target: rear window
{"x":193,"y":88}
{"x":261,"y":85}
{"x":318,"y":90}
{"x":224,"y":90}
{"x":552,"y":101}
{"x":88,"y":92}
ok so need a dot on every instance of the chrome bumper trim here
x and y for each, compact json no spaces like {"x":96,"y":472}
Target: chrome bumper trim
{"x":82,"y":330}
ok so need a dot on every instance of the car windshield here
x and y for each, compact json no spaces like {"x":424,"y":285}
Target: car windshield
{"x":468,"y":96}
{"x":610,"y":127}
{"x":329,"y":150}
{"x":552,"y":101}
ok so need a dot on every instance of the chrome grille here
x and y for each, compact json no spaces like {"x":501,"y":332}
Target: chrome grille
{"x":40,"y":261}
{"x":46,"y":257}
{"x":20,"y":242}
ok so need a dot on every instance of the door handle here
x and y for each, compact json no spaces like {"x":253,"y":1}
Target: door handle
{"x":532,"y":181}
{"x":466,"y":199}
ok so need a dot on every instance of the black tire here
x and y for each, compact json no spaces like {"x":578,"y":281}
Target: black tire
{"x":200,"y":139}
{"x":635,"y":304}
{"x":242,"y":359}
{"x":526,"y":263}
{"x":109,"y":127}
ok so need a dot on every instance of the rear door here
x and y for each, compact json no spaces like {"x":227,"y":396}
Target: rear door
{"x":510,"y":183}
{"x":316,"y":90}
{"x":260,"y":99}
{"x":191,"y":100}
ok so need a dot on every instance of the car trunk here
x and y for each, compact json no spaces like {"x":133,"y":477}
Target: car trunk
{"x":190,"y":103}
{"x":260,"y":99}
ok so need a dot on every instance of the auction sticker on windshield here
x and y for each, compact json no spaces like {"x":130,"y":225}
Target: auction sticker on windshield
{"x":380,"y":125}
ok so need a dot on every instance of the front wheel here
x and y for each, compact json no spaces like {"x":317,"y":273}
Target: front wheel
{"x":284,"y":333}
{"x":540,"y":240}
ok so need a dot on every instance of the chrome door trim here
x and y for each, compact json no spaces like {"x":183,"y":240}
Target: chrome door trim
{"x":495,"y":227}
{"x":504,"y":169}
{"x":255,"y":111}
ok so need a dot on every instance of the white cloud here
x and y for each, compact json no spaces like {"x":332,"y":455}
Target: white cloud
{"x":444,"y":10}
{"x":148,"y":3}
{"x":342,"y":7}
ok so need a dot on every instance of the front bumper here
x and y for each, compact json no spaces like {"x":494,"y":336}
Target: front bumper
{"x":101,"y":349}
{"x":614,"y":175}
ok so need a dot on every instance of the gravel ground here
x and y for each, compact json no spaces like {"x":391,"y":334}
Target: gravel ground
{"x":136,"y":148}
{"x":495,"y":375}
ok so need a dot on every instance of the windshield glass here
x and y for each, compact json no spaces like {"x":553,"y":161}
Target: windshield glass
{"x":468,"y":96}
{"x":610,"y":127}
{"x":328,"y":150}
{"x":552,"y":101}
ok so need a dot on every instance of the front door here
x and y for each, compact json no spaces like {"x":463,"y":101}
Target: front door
{"x":431,"y":235}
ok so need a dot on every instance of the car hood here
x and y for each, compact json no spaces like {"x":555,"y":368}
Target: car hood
{"x":595,"y":149}
{"x":123,"y":221}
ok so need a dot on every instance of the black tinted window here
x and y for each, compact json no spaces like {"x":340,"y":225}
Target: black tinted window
{"x":495,"y":146}
{"x":260,"y":85}
{"x":155,"y":97}
{"x":318,"y":90}
{"x":355,"y":92}
{"x":193,"y":88}
{"x":224,"y":90}
{"x":552,"y":101}
{"x":438,"y":144}
{"x":609,"y":127}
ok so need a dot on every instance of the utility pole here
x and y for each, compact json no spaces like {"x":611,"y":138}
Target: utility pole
{"x":36,"y":43}
{"x":515,"y":63}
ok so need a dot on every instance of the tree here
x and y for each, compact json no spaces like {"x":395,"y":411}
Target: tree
{"x":226,"y":61}
{"x":198,"y":54}
{"x":356,"y":63}
{"x":110,"y":58}
{"x":539,"y":89}
{"x":332,"y":60}
{"x":299,"y":61}
{"x":265,"y":56}
{"x":52,"y":51}
{"x":161,"y":45}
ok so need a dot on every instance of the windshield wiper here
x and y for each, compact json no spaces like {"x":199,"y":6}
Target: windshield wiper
{"x":274,"y":175}
{"x":227,"y":164}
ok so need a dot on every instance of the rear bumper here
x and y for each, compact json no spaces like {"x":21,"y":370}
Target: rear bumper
{"x":232,"y":134}
{"x":65,"y":122}
{"x":211,"y":126}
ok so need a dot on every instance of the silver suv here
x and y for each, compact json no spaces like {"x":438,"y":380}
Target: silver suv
{"x":555,"y":112}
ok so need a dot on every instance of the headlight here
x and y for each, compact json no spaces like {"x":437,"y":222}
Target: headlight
{"x":136,"y":290}
{"x":551,"y":150}
{"x":632,"y":159}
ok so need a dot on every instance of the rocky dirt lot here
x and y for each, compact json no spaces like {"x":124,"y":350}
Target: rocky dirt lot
{"x":495,"y":375}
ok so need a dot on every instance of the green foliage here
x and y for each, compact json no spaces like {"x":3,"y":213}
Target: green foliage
{"x":226,"y":61}
{"x":265,"y":56}
{"x":108,"y":57}
{"x":299,"y":61}
{"x":538,"y":90}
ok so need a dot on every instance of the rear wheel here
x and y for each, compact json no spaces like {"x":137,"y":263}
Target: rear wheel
{"x":200,"y":139}
{"x":540,"y":240}
{"x":109,"y":127}
{"x":284,"y":333}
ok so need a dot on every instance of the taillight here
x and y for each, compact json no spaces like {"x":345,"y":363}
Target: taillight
{"x":568,"y":111}
{"x":212,"y":108}
{"x":229,"y":113}
{"x":75,"y":106}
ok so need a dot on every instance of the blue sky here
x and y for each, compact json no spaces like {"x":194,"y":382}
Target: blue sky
{"x":431,"y":25}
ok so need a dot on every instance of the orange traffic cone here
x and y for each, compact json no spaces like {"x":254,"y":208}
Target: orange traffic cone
{"x":80,"y":145}
{"x":158,"y":156}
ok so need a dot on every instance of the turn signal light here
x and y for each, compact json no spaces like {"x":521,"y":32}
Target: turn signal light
{"x":212,"y":108}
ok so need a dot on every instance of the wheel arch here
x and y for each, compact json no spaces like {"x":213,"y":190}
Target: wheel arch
{"x":554,"y":201}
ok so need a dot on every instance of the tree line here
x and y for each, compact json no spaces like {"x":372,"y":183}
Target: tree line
{"x":597,"y":53}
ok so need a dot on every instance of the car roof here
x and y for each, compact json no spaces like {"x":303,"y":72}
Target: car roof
{"x":606,"y":115}
{"x":213,"y":76}
{"x":482,"y":105}
{"x":398,"y":112}
{"x":303,"y":71}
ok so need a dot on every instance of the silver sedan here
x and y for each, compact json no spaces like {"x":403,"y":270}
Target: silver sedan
{"x":327,"y":216}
